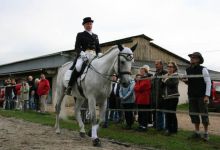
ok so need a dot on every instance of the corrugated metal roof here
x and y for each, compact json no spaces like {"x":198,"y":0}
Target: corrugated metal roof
{"x":39,"y":63}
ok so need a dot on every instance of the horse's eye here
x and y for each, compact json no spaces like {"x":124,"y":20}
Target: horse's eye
{"x":130,"y":57}
{"x":122,"y":62}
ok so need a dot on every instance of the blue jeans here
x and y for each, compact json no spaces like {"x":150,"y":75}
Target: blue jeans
{"x":160,"y":121}
{"x":31,"y":103}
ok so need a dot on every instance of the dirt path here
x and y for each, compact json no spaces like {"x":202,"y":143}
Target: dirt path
{"x":18,"y":134}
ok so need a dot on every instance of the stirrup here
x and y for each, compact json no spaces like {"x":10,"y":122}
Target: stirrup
{"x":68,"y":91}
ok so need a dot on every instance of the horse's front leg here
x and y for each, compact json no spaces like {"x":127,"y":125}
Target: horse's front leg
{"x":95,"y":125}
{"x":78,"y":107}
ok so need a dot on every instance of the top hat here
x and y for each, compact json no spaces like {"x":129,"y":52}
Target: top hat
{"x":87,"y":19}
{"x":198,"y":55}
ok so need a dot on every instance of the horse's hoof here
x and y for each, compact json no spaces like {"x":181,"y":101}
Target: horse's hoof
{"x":57,"y":131}
{"x":89,"y":133}
{"x":96,"y":142}
{"x":82,"y":134}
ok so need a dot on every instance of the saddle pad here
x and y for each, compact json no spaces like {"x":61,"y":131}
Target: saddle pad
{"x":67,"y":76}
{"x":82,"y":76}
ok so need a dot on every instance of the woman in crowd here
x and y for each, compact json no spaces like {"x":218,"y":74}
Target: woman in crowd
{"x":32,"y":91}
{"x":36,"y":96}
{"x":8,"y":94}
{"x":14,"y":94}
{"x":2,"y":96}
{"x":113,"y":99}
{"x":112,"y":103}
{"x":18,"y":94}
{"x":24,"y":94}
{"x":142,"y":97}
{"x":127,"y":99}
{"x":171,"y":97}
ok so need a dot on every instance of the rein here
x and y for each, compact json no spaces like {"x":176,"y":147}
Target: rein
{"x":128,"y":57}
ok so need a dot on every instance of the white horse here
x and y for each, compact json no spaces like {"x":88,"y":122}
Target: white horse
{"x":96,"y":86}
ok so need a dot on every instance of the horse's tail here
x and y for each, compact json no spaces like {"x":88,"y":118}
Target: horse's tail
{"x":60,"y":98}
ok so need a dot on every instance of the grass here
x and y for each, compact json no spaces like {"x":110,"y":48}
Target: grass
{"x":151,"y":138}
{"x":183,"y":107}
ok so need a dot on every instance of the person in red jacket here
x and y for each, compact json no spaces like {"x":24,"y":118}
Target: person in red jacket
{"x":43,"y":91}
{"x":2,"y":96}
{"x":142,"y":97}
{"x":18,"y":93}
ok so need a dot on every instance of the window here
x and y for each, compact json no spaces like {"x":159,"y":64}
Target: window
{"x":217,"y":88}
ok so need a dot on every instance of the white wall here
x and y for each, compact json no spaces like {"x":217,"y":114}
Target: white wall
{"x":183,"y":93}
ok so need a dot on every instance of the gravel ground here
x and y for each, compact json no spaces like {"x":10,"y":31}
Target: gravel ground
{"x":18,"y":134}
{"x":21,"y":135}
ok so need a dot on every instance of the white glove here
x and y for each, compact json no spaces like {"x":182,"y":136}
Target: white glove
{"x":82,"y":53}
{"x":84,"y":58}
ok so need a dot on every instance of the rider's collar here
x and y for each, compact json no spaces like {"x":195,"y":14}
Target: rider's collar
{"x":90,"y":32}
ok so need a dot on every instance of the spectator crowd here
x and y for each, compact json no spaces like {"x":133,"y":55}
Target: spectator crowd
{"x":144,"y":93}
{"x":152,"y":100}
{"x":25,"y":94}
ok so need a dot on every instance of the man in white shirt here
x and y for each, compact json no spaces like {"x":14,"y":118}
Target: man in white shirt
{"x":199,"y":90}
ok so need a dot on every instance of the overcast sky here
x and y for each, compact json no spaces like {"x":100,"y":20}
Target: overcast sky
{"x":31,"y":28}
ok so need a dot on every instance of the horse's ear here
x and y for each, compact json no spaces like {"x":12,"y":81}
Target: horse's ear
{"x":134,"y":47}
{"x":120,"y":47}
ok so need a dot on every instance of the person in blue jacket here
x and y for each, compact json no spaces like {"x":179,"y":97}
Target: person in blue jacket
{"x":127,"y":100}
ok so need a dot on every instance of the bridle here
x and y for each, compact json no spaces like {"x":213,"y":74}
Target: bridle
{"x":128,"y":57}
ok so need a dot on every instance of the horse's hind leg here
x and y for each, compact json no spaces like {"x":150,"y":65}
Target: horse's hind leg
{"x":58,"y":109}
{"x":102,"y":111}
{"x":78,"y":106}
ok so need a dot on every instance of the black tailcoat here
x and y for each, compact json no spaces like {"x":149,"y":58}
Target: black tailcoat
{"x":85,"y":41}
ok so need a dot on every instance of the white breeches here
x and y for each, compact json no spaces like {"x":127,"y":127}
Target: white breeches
{"x":89,"y":55}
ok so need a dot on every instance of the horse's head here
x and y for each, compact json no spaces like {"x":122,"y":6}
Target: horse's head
{"x":125,"y":59}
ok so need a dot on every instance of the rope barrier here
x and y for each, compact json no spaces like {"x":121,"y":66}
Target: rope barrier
{"x":179,"y":76}
{"x":9,"y":86}
{"x":163,"y":110}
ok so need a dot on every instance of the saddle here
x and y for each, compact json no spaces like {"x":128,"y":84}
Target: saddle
{"x":78,"y":77}
{"x":84,"y":70}
{"x":81,"y":76}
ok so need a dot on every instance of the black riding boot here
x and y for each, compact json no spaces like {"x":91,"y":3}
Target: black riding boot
{"x":73,"y":79}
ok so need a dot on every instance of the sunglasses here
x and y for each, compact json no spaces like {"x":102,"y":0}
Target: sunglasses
{"x":170,"y":66}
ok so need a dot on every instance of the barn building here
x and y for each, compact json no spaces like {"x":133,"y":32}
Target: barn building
{"x":146,"y":53}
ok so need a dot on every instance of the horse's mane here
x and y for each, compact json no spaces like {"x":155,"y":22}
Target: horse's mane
{"x":108,"y":51}
{"x":67,"y":63}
